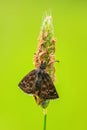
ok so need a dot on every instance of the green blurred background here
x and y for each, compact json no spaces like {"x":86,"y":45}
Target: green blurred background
{"x":20,"y":22}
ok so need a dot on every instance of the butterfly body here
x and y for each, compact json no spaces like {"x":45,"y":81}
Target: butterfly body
{"x":39,"y":83}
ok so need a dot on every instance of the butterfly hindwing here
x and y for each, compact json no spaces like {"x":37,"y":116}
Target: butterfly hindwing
{"x":47,"y":89}
{"x":27,"y":83}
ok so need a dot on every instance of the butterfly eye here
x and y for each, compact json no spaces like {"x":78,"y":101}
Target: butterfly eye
{"x":43,"y":65}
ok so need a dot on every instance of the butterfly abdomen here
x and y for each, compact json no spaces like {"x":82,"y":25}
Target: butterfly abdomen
{"x":38,"y":79}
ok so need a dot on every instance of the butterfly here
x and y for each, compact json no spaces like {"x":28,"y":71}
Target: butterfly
{"x":38,"y":83}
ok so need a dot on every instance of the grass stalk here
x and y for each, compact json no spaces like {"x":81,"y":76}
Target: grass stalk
{"x":45,"y":119}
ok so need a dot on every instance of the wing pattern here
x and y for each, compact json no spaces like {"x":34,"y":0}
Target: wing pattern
{"x":47,"y":89}
{"x":27,"y":83}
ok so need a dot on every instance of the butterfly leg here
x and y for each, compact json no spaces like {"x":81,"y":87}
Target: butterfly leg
{"x":37,"y":99}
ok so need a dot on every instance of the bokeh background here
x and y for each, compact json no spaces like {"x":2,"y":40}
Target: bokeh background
{"x":20,"y":22}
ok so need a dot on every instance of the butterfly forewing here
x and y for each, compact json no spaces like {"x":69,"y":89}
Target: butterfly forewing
{"x":47,"y":90}
{"x":27,"y":83}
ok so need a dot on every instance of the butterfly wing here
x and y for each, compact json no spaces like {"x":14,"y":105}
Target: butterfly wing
{"x":27,"y":83}
{"x":47,"y":89}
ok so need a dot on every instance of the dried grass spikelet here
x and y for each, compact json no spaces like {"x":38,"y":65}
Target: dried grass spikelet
{"x":46,"y":47}
{"x":46,"y":50}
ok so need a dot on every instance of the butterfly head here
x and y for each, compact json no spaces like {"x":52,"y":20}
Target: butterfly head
{"x":43,"y":65}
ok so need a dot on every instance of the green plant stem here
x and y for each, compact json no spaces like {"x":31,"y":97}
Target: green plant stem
{"x":45,"y":119}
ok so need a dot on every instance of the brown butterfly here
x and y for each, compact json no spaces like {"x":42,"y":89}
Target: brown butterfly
{"x":39,"y":83}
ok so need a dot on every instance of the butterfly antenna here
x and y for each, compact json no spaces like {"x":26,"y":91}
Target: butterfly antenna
{"x":57,"y":61}
{"x":53,"y":62}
